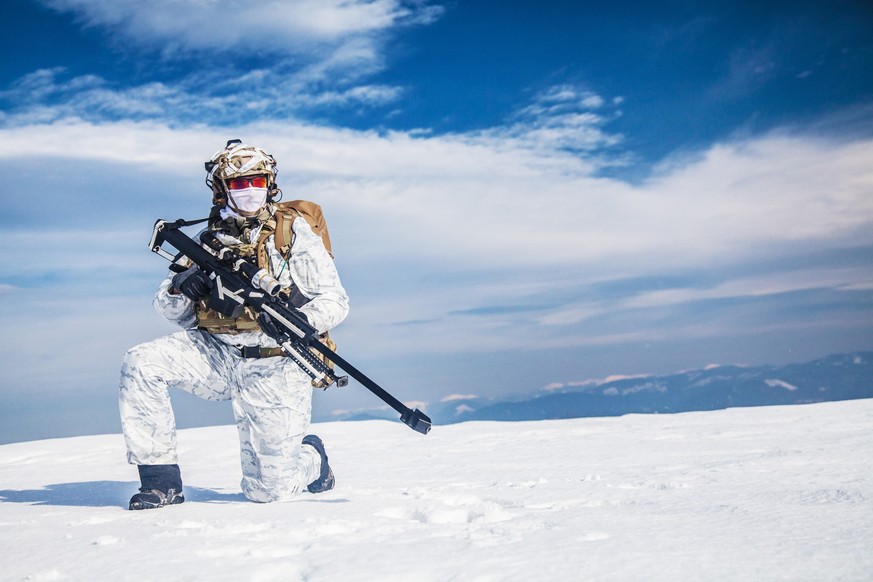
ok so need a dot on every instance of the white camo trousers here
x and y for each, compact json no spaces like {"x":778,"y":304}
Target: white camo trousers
{"x":271,"y":398}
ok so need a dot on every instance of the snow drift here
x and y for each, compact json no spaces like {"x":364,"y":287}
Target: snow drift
{"x":757,"y":493}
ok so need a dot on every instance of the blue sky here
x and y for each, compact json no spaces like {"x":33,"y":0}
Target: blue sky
{"x":519,"y":194}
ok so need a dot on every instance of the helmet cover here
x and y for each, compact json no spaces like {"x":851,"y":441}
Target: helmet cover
{"x":237,"y":160}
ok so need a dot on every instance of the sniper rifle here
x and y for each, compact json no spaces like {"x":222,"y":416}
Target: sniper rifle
{"x":238,"y":283}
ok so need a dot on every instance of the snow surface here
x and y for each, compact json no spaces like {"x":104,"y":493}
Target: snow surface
{"x":741,"y":494}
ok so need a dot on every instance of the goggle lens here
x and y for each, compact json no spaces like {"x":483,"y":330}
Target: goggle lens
{"x":242,"y":183}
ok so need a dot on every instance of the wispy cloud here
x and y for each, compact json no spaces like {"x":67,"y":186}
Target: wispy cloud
{"x":293,"y":27}
{"x":49,"y":95}
{"x":749,"y":68}
{"x":260,"y":59}
{"x":563,"y":117}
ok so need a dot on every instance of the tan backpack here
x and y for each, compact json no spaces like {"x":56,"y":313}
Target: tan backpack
{"x":286,"y":212}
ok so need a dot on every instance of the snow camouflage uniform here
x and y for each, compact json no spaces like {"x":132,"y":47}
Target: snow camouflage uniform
{"x":271,"y":397}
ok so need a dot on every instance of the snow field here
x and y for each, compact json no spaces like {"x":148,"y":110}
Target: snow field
{"x":757,"y":493}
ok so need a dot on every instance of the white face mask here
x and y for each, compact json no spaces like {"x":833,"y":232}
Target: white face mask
{"x":248,"y":201}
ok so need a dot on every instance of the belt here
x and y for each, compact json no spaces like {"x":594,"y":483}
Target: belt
{"x":259,"y":352}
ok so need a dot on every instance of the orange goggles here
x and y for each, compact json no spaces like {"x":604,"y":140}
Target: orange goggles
{"x":242,"y":183}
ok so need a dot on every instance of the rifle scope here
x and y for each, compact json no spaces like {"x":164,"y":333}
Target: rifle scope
{"x":260,"y":278}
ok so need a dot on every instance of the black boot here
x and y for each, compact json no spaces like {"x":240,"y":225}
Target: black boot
{"x":325,"y":481}
{"x":161,"y":485}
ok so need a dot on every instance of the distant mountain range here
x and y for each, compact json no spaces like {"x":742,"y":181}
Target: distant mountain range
{"x":837,"y":377}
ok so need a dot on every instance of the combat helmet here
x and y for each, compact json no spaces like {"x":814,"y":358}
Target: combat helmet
{"x":239,"y":160}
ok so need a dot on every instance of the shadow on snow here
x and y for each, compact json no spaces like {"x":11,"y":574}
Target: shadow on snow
{"x":103,"y":494}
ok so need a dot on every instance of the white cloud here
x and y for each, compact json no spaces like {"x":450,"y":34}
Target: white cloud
{"x":778,"y":282}
{"x":47,"y":95}
{"x":256,"y":59}
{"x":563,"y":116}
{"x":363,"y":94}
{"x":289,"y":26}
{"x":780,"y":384}
{"x":516,"y":204}
{"x":505,"y":203}
{"x":453,"y":397}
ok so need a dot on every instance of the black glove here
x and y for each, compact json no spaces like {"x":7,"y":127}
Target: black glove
{"x":269,"y":327}
{"x":193,"y":283}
